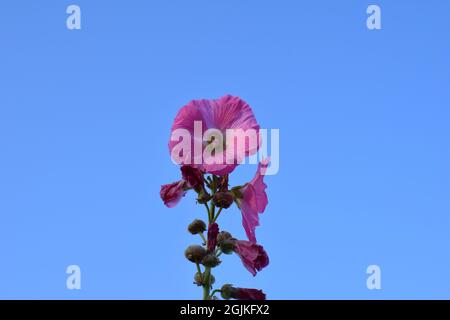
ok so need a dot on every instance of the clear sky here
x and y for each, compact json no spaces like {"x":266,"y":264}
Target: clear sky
{"x":364,"y":144}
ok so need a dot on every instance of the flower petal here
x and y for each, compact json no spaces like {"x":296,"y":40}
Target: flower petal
{"x":172,"y":193}
{"x":248,"y":206}
{"x":254,"y":201}
{"x":250,"y":294}
{"x":253,"y":255}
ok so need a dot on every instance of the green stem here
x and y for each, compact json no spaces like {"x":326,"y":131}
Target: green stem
{"x":199,"y":271}
{"x":217,"y":215}
{"x":209,"y":213}
{"x":206,"y":284}
{"x":203,"y":237}
{"x":206,"y":274}
{"x":205,"y":293}
{"x":215,"y":291}
{"x":206,"y":277}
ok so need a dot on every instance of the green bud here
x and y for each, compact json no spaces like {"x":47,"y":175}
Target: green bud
{"x":227,"y":246}
{"x":195,"y":253}
{"x":198,"y":279}
{"x":211,"y":261}
{"x":223,"y":235}
{"x":223,"y":199}
{"x":227,"y":291}
{"x":197,"y":226}
{"x":203,"y":197}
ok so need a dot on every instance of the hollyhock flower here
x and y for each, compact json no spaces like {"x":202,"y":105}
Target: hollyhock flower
{"x":172,"y":193}
{"x":194,"y":177}
{"x":253,"y":256}
{"x":227,"y":112}
{"x":213,"y":231}
{"x":252,"y":200}
{"x":229,"y":292}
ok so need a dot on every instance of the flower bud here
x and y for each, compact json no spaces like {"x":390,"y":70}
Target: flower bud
{"x":172,"y":193}
{"x":211,"y":261}
{"x":223,"y":235}
{"x":198,"y":279}
{"x":213,"y":230}
{"x":223,"y":199}
{"x":203,"y":197}
{"x":230,"y":292}
{"x":227,"y":246}
{"x":197,"y":226}
{"x":195,"y":253}
{"x":227,"y":291}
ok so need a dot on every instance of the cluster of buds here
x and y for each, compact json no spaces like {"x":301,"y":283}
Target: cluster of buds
{"x":213,"y":192}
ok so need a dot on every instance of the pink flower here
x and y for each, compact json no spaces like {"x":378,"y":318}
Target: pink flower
{"x":172,"y":193}
{"x":227,"y":112}
{"x":253,"y":256}
{"x":213,"y":231}
{"x":249,"y":294}
{"x":254,"y":200}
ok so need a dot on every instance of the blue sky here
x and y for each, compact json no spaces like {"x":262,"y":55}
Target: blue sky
{"x":364,"y":144}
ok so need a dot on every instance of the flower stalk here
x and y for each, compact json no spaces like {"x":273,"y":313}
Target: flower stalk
{"x":210,"y":181}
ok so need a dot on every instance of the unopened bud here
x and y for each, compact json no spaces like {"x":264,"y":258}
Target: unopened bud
{"x":195,"y":253}
{"x":203,"y":197}
{"x":228,"y":291}
{"x":223,"y":235}
{"x":199,"y":279}
{"x":197,"y":226}
{"x":211,"y":261}
{"x":227,"y":246}
{"x":223,"y":199}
